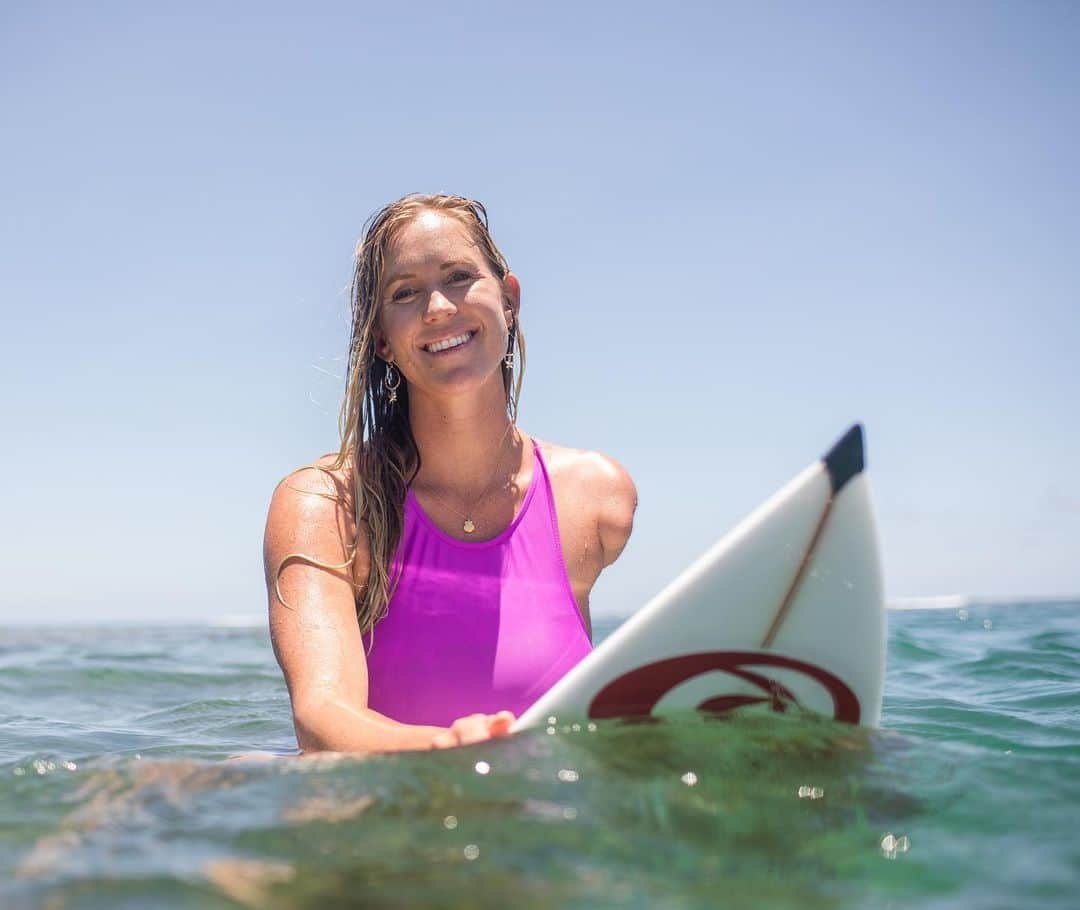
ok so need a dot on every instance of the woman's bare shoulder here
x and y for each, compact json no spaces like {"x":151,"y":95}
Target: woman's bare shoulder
{"x":597,"y":479}
{"x":586,"y":467}
{"x":313,"y":506}
{"x":323,"y":475}
{"x":319,"y":487}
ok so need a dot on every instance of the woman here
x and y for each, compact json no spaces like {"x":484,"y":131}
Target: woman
{"x":432,"y":579}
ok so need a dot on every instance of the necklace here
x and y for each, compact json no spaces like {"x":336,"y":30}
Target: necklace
{"x":468,"y":525}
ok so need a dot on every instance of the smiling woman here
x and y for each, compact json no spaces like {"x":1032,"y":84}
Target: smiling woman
{"x":431,"y":580}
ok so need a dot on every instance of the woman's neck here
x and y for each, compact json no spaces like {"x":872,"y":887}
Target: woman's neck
{"x":462,"y":441}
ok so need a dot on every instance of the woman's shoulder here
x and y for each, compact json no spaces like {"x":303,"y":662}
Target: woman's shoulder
{"x":329,"y":465}
{"x":600,"y":483}
{"x":585,"y":467}
{"x":326,"y":479}
{"x":312,"y":510}
{"x":315,"y":496}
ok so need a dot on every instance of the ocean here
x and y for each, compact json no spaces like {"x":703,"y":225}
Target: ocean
{"x":115,"y":791}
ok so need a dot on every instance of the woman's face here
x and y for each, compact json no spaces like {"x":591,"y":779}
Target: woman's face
{"x":443,"y":313}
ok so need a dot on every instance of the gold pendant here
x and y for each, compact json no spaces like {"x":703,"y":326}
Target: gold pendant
{"x":468,"y":527}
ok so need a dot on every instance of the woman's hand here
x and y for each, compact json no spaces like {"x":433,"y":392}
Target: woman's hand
{"x":473,"y":729}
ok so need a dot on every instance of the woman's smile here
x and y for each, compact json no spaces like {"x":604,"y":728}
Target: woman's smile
{"x":445,"y":345}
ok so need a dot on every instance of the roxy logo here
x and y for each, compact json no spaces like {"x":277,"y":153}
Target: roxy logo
{"x":636,"y":693}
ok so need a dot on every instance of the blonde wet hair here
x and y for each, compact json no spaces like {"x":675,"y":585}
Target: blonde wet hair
{"x":378,"y":454}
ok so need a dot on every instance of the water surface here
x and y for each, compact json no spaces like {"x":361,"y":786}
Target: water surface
{"x":114,"y":792}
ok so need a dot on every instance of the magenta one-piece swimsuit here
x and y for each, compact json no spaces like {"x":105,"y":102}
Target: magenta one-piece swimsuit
{"x":476,"y":626}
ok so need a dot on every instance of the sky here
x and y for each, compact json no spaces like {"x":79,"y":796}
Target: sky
{"x":739,"y":228}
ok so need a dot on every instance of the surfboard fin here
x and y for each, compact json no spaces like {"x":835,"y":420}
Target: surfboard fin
{"x":845,"y":459}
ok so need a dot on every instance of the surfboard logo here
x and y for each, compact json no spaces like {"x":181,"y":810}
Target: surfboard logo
{"x":636,"y":693}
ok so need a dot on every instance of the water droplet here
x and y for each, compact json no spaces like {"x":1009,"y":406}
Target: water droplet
{"x":576,"y":728}
{"x":987,"y":624}
{"x":19,"y":772}
{"x":471,"y":852}
{"x":689,"y":778}
{"x":892,"y":845}
{"x":591,"y":728}
{"x":569,"y":813}
{"x":482,"y":767}
{"x":962,"y":614}
{"x":806,"y":792}
{"x":551,"y":731}
{"x":70,"y":766}
{"x":450,"y":822}
{"x":553,"y":719}
{"x":567,"y":775}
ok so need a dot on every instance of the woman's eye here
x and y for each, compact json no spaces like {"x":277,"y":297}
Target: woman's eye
{"x":459,"y":276}
{"x":402,"y":293}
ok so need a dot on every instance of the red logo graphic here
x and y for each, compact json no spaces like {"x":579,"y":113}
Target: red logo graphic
{"x":636,"y":693}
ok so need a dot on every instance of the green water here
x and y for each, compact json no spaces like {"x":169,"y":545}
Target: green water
{"x":114,"y":792}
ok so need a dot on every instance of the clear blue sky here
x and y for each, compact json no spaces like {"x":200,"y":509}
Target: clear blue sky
{"x":738,"y":227}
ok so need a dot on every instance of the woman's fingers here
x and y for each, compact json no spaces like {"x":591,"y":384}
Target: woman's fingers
{"x":500,"y":724}
{"x":444,"y":740}
{"x":461,"y":732}
{"x":473,"y":729}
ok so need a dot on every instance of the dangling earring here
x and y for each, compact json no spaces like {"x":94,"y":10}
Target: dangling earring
{"x":508,"y":360}
{"x":391,"y":386}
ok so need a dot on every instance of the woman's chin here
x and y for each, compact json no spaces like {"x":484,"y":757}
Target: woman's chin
{"x":465,"y":381}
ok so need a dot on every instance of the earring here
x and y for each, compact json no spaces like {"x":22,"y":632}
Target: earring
{"x":391,"y":386}
{"x":508,"y":360}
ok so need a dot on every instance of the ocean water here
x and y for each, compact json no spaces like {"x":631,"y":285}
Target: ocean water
{"x":115,"y":791}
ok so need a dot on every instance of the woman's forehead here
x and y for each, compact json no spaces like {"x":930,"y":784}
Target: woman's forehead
{"x":430,"y":235}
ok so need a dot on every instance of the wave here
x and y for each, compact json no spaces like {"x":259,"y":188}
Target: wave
{"x":967,"y":601}
{"x":237,"y":621}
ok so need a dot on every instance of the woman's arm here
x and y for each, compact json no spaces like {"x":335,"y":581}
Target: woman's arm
{"x":616,"y":506}
{"x":595,"y":499}
{"x":314,"y":629}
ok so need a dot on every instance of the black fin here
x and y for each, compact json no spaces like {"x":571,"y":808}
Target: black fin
{"x":845,"y":459}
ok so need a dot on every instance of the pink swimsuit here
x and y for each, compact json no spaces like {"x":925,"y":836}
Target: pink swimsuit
{"x":476,"y":627}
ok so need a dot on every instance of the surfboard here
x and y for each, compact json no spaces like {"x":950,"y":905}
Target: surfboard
{"x":785,"y":611}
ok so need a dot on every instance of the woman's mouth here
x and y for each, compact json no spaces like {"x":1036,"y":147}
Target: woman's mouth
{"x":446,"y":344}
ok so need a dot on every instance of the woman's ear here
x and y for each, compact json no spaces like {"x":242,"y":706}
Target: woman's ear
{"x":513,"y":297}
{"x":382,"y":346}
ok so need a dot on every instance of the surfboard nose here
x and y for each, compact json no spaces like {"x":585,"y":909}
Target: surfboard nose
{"x":846,"y":458}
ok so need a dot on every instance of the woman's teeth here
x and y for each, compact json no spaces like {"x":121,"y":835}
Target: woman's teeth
{"x":447,"y":343}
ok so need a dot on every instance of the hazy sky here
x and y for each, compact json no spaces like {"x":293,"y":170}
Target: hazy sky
{"x":738,"y":228}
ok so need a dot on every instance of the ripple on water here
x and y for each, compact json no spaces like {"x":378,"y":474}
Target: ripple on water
{"x":966,"y":800}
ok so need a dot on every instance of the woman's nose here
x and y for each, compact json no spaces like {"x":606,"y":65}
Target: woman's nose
{"x":438,"y":306}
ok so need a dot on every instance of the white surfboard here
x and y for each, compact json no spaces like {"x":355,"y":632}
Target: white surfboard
{"x":786,"y":609}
